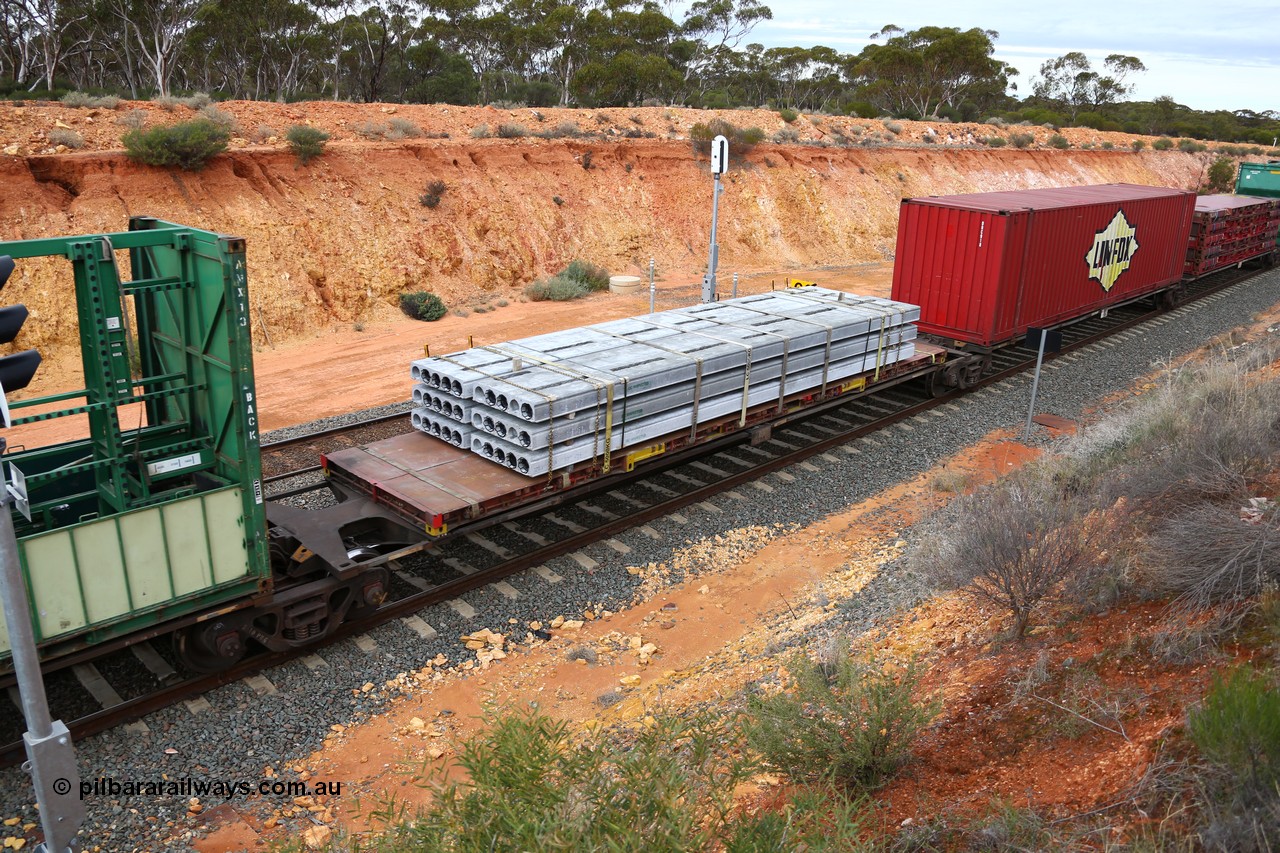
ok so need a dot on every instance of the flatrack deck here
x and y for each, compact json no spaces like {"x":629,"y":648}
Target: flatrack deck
{"x":434,"y":484}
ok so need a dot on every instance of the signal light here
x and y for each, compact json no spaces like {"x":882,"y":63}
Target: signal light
{"x":17,"y":370}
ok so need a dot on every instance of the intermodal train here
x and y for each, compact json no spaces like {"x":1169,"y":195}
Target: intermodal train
{"x":156,"y":524}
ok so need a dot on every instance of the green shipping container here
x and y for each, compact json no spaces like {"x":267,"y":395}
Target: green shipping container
{"x":1261,"y":179}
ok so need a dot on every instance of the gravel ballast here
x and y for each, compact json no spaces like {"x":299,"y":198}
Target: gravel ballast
{"x":244,"y":733}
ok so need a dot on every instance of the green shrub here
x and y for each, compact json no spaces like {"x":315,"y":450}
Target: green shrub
{"x":423,"y":305}
{"x":995,"y":141}
{"x":187,"y":144}
{"x":1164,"y":143}
{"x":1138,"y":144}
{"x":1021,"y":140}
{"x":1190,"y":146}
{"x":512,"y":131}
{"x":788,"y":115}
{"x":845,"y":721}
{"x":530,"y":785}
{"x":741,"y":140}
{"x":1107,"y":146}
{"x":1059,"y":141}
{"x":66,"y":138}
{"x":1238,"y":727}
{"x":557,"y":288}
{"x":594,"y":276}
{"x":1222,"y":175}
{"x":306,"y":142}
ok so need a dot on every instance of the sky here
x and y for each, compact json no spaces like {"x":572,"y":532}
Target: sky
{"x":1208,"y":54}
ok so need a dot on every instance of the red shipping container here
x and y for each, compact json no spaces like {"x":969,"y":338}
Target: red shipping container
{"x":985,"y":266}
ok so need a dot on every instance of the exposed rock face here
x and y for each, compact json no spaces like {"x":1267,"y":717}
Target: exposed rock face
{"x":340,"y":239}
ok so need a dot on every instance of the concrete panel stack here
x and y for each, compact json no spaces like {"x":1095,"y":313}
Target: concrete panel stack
{"x":545,"y":403}
{"x":1227,"y":229}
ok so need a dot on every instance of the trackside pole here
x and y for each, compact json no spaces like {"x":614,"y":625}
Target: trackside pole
{"x":1035,"y":388}
{"x":719,"y":164}
{"x":1045,"y":341}
{"x":51,"y":758}
{"x":653,"y":290}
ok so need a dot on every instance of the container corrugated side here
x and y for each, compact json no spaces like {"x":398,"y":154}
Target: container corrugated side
{"x":984,"y":267}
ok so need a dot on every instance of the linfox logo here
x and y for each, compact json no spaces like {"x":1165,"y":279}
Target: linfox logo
{"x":1112,"y":252}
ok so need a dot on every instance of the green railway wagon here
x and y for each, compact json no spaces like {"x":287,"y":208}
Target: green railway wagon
{"x":156,"y":515}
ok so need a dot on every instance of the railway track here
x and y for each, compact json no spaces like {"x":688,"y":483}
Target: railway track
{"x":131,"y":681}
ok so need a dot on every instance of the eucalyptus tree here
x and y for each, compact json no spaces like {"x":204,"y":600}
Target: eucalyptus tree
{"x":259,"y":49}
{"x":159,"y":30}
{"x":918,"y":72}
{"x":17,"y":42}
{"x":629,"y":61}
{"x":1071,"y":83}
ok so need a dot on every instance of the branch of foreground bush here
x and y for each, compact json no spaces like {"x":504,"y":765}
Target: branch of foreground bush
{"x":1091,"y":722}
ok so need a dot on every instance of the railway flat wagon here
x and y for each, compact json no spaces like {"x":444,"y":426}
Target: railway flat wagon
{"x":157,"y":513}
{"x":1231,"y":229}
{"x":983,"y":267}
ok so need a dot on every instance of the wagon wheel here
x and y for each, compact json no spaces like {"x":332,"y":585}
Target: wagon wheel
{"x":206,"y":648}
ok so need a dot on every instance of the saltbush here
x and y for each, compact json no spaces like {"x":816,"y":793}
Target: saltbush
{"x":512,"y":131}
{"x":1138,"y":144}
{"x":593,"y":276}
{"x":188,"y":145}
{"x":400,"y":128}
{"x":306,"y":142}
{"x":1059,"y":141}
{"x":423,"y":305}
{"x":83,"y":99}
{"x":1021,"y":140}
{"x":66,"y":138}
{"x":556,"y":288}
{"x":995,"y":141}
{"x":1164,"y":143}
